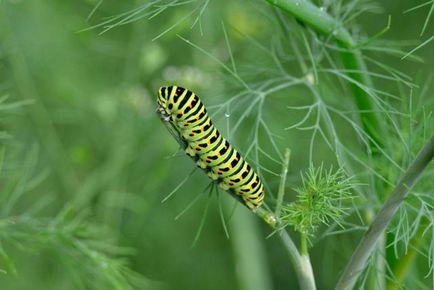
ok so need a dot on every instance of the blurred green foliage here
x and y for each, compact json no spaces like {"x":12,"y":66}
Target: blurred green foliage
{"x":85,"y":161}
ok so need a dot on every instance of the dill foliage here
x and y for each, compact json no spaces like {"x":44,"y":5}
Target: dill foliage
{"x":322,"y":199}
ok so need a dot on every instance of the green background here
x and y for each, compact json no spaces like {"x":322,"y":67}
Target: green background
{"x":87,"y":161}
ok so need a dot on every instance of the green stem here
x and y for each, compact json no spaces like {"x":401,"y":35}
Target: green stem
{"x":376,"y":273}
{"x":351,"y":57}
{"x":281,"y":191}
{"x":301,"y":262}
{"x":315,"y":18}
{"x":378,"y":226}
{"x":355,"y":66}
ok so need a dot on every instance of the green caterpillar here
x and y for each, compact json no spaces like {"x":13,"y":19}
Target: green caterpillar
{"x":186,"y":114}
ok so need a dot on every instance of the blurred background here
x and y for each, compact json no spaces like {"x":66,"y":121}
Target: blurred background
{"x":86,"y":162}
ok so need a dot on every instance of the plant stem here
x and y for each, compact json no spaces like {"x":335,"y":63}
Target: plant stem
{"x":301,"y":262}
{"x":315,"y":18}
{"x":376,"y":274}
{"x":352,"y":60}
{"x":368,"y":242}
{"x":281,"y":191}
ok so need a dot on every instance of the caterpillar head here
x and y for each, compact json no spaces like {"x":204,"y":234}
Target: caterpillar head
{"x":162,"y":100}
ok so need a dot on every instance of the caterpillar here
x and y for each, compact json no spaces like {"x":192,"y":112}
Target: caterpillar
{"x":192,"y":126}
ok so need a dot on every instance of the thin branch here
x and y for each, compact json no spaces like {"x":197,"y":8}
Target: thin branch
{"x":301,"y":263}
{"x":367,"y":244}
{"x":282,"y":182}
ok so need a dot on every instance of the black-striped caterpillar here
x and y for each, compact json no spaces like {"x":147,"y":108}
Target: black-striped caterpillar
{"x":186,"y":114}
